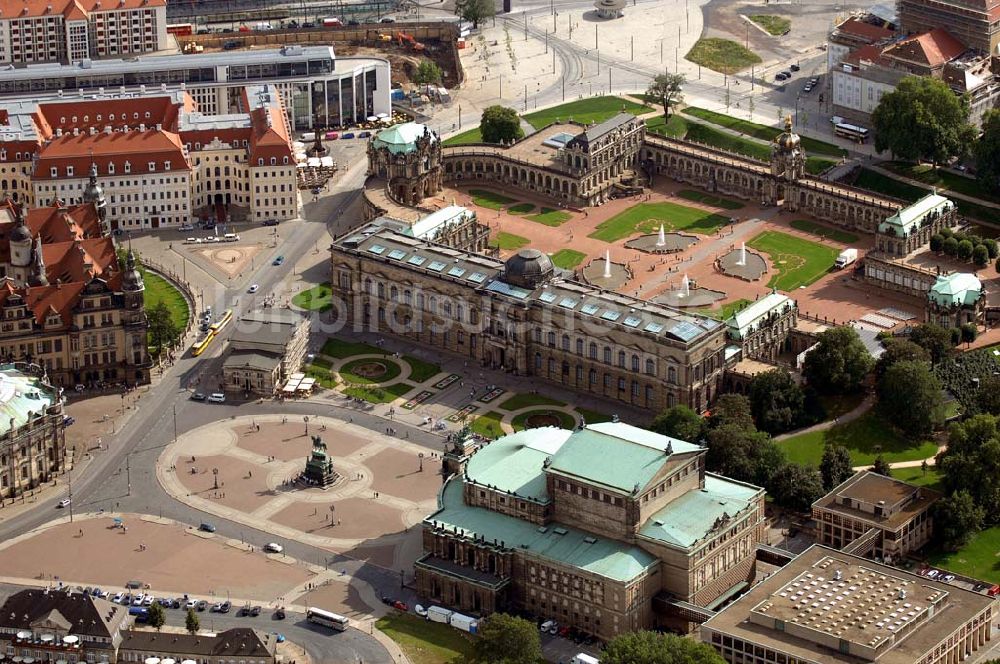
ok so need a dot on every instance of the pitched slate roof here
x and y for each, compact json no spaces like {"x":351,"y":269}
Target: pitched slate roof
{"x":89,"y":616}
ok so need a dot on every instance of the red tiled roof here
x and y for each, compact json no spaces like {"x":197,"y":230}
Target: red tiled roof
{"x":61,"y":298}
{"x":867,"y":53}
{"x":271,"y":136}
{"x":73,"y":9}
{"x":117,"y":113}
{"x":10,"y":149}
{"x":933,"y":48}
{"x":138,"y":148}
{"x":79,"y":261}
{"x":858,"y":28}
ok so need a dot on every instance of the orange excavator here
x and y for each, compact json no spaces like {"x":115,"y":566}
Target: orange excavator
{"x":405,"y":39}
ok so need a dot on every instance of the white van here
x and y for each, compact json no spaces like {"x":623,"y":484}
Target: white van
{"x":262,"y":27}
{"x":584,"y":658}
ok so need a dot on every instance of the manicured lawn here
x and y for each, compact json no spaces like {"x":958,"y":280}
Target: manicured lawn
{"x":318,"y":298}
{"x":883,"y":184}
{"x":425,"y":641}
{"x":774,"y":25}
{"x":592,"y":416}
{"x":722,"y":55}
{"x":385,"y":394}
{"x":821,"y":230}
{"x":709,"y":199}
{"x":585,"y":111}
{"x":505,"y":240}
{"x":340,"y":349}
{"x":931,"y":479}
{"x":321,"y":373}
{"x":942,"y":179}
{"x":795,"y":262}
{"x":567,"y":259}
{"x":647,"y":217}
{"x":550,"y":217}
{"x":490,"y":199}
{"x":465,"y":138}
{"x":726,"y":311}
{"x":159,"y":290}
{"x":762,"y":132}
{"x":708,"y":135}
{"x":420,"y":370}
{"x":977,"y":559}
{"x":675,"y":127}
{"x":816,"y":165}
{"x":861,"y":437}
{"x":520,"y":422}
{"x":836,"y":405}
{"x":521,"y":208}
{"x":488,"y":424}
{"x":523,"y":400}
{"x":347,"y":372}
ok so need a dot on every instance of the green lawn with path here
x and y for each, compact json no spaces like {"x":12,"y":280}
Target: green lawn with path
{"x":378,"y":394}
{"x":488,"y":424}
{"x":914,"y":475}
{"x":762,"y":132}
{"x":977,"y":559}
{"x":317,"y":298}
{"x":550,"y":217}
{"x":567,"y":259}
{"x":520,"y":208}
{"x":467,"y":137}
{"x":159,"y":290}
{"x":824,"y":231}
{"x":722,"y":55}
{"x":794,"y":262}
{"x":520,"y":422}
{"x":518,"y":401}
{"x":319,"y":369}
{"x":709,"y":199}
{"x":773,"y":25}
{"x":421,"y":370}
{"x":883,"y":184}
{"x":508,"y":241}
{"x":942,"y":179}
{"x":861,"y":437}
{"x":347,"y":372}
{"x":675,"y":126}
{"x":585,"y":111}
{"x":726,"y":311}
{"x":340,"y":349}
{"x":490,"y":199}
{"x":426,"y":641}
{"x":647,"y":217}
{"x":592,"y":416}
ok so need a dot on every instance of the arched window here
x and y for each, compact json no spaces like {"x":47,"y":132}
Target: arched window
{"x":394,"y":294}
{"x":538,"y":361}
{"x":420,"y":301}
{"x":592,"y":377}
{"x":593,"y":350}
{"x":635,"y":363}
{"x":552,"y":339}
{"x":607,"y":354}
{"x":368,"y":286}
{"x":565,"y":342}
{"x":381,"y":289}
{"x":672,"y":375}
{"x":552,"y":366}
{"x":407,"y":297}
{"x":621,"y":359}
{"x":579,"y":346}
{"x":651,"y":367}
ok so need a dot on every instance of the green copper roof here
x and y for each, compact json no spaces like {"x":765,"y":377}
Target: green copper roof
{"x":20,"y":395}
{"x":564,"y":544}
{"x":616,"y":455}
{"x":515,"y":463}
{"x":960,"y":288}
{"x":402,"y":138}
{"x":909,"y":218}
{"x":691,"y":517}
{"x":740,"y":322}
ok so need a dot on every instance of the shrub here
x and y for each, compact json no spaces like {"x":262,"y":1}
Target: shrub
{"x":936,"y":241}
{"x":950,"y":246}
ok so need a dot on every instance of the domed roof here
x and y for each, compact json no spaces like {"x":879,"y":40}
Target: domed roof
{"x":20,"y":232}
{"x":402,"y":138}
{"x":93,"y":192}
{"x":527,"y":268}
{"x":132,"y":278}
{"x":788,"y":140}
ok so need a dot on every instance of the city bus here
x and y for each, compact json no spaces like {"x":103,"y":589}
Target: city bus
{"x":180,"y":29}
{"x":223,"y":321}
{"x":326,"y":618}
{"x":202,"y":345}
{"x":853,"y":132}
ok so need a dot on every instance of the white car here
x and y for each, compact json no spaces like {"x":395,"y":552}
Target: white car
{"x":253,"y":288}
{"x":217,"y":397}
{"x":547,"y":625}
{"x":420,"y":610}
{"x":118,"y":598}
{"x":148,"y":600}
{"x":191,"y":604}
{"x":273,"y":547}
{"x":138,"y":599}
{"x":64,"y":503}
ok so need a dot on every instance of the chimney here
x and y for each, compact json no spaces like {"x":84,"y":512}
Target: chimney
{"x":108,"y":129}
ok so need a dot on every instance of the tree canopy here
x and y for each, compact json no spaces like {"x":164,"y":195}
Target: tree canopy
{"x":835,"y":467}
{"x":731,"y":409}
{"x":506,"y":639}
{"x":839,"y":362}
{"x":191,"y":622}
{"x":971,"y":463}
{"x":667,"y":89}
{"x":881,"y":466}
{"x":679,"y":422}
{"x":956,"y":519}
{"x":898,"y":349}
{"x":655,"y":648}
{"x":796,"y":487}
{"x":987,"y":151}
{"x":909,"y":396}
{"x":933,"y":338}
{"x":162,"y":329}
{"x":427,"y":73}
{"x":156,"y":617}
{"x":500,"y":124}
{"x":475,"y":11}
{"x":778,"y":403}
{"x":923,"y":120}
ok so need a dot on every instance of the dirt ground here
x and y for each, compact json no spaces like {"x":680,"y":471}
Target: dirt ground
{"x":173,"y":560}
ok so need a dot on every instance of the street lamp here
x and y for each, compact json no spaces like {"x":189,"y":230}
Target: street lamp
{"x":305,"y":418}
{"x":215,"y":478}
{"x":421,"y":458}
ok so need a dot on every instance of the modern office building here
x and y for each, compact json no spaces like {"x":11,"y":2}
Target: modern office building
{"x":317,"y":88}
{"x":604,"y":529}
{"x":75,"y":30}
{"x":32,"y":435}
{"x":159,"y":159}
{"x":900,"y":512}
{"x":830,"y":607}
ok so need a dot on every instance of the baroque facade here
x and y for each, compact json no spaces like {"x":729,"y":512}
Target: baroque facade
{"x":32,"y":438}
{"x":534,"y":522}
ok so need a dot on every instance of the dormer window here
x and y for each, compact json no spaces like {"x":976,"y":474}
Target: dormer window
{"x":54,"y":172}
{"x":128,"y":167}
{"x":166,"y":165}
{"x":152,"y":167}
{"x":147,"y":115}
{"x":284,"y":160}
{"x":111,"y":117}
{"x":69,"y":171}
{"x":111,"y":168}
{"x":260,"y":161}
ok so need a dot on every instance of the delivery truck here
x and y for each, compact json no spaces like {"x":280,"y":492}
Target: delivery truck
{"x":846,"y":257}
{"x":439,"y":614}
{"x":464,"y":623}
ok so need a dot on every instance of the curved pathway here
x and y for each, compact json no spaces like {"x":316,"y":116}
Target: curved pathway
{"x":866,"y":404}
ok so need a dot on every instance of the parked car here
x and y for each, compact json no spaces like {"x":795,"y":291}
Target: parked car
{"x":191,"y":604}
{"x":255,"y":611}
{"x":278,"y":261}
{"x":253,"y":288}
{"x":400,"y":605}
{"x":270,"y":222}
{"x":364,"y":134}
{"x":226,"y":606}
{"x":546,"y":626}
{"x":138,"y":599}
{"x":244,"y":611}
{"x":230,"y":45}
{"x":273,"y":547}
{"x":279,"y":637}
{"x":279,"y":614}
{"x":349,"y":134}
{"x":387,"y":19}
{"x":63,"y":503}
{"x":795,"y":67}
{"x":217,"y":397}
{"x":207,"y":527}
{"x":420,"y":610}
{"x":202,"y":605}
{"x":117,"y":599}
{"x":217,"y":607}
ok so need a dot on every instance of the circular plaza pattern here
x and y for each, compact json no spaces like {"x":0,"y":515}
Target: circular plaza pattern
{"x":607,"y":276}
{"x":537,"y":418}
{"x":368,"y":370}
{"x":671,"y":243}
{"x":741,"y":264}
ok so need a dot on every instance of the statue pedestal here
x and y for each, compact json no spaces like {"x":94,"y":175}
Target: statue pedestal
{"x":319,"y":470}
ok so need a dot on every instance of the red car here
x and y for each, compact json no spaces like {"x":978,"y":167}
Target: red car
{"x":401,"y":605}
